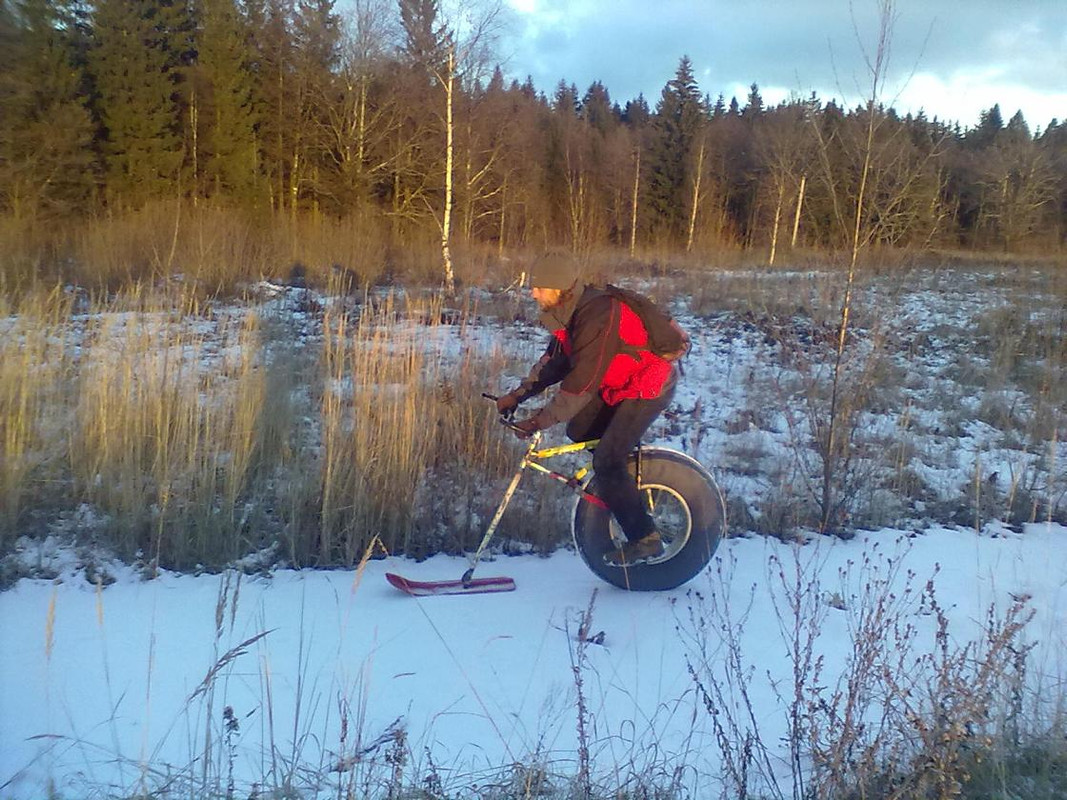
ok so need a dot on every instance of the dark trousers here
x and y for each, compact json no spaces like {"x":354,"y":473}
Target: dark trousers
{"x":619,"y":428}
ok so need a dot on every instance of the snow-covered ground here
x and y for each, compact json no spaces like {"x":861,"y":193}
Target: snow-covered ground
{"x":105,"y":690}
{"x":333,"y":679}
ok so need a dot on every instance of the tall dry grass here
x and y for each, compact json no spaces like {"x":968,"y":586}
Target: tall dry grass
{"x":33,"y":363}
{"x":165,"y":419}
{"x":403,"y":431}
{"x":196,"y":434}
{"x":218,"y":248}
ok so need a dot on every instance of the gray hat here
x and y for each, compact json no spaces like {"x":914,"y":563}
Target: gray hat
{"x":553,"y":271}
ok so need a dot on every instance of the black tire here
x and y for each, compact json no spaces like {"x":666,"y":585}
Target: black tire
{"x":689,"y":512}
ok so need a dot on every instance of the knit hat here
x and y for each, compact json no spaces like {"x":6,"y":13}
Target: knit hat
{"x":553,"y":271}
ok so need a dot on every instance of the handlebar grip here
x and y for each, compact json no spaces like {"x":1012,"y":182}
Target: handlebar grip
{"x":505,"y":418}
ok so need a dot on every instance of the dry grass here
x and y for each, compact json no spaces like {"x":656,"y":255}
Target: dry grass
{"x":163,"y":434}
{"x":33,"y":363}
{"x":199,"y":435}
{"x":398,"y":422}
{"x":215,"y":248}
{"x":914,"y":710}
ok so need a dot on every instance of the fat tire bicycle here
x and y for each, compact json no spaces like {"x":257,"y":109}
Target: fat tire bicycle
{"x":682,"y":497}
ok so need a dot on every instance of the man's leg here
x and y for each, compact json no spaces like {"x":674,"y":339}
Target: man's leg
{"x":614,"y":482}
{"x":591,"y":421}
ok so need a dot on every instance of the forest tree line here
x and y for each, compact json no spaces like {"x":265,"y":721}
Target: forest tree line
{"x":395,"y":110}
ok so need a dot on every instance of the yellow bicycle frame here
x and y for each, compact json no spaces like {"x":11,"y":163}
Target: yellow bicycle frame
{"x":534,"y":456}
{"x":532,"y":459}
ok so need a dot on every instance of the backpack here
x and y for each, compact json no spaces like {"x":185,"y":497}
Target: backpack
{"x":666,"y":339}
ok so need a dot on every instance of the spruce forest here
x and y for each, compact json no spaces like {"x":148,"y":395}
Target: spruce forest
{"x":394,"y":124}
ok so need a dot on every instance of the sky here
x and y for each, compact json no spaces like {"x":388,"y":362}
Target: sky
{"x":951,"y":59}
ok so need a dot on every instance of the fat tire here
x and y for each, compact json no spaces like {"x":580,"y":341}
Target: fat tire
{"x":694,"y":484}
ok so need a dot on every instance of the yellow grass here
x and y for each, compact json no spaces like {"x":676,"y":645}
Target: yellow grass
{"x":196,"y":436}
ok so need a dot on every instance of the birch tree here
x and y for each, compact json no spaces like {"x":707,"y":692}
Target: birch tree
{"x":451,"y":50}
{"x":362,"y":119}
{"x":785,"y":148}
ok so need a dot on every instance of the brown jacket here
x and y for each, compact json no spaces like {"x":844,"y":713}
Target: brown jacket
{"x":598,"y":348}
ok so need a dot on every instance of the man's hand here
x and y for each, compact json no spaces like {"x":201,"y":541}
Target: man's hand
{"x":526,"y":428}
{"x":506,"y":404}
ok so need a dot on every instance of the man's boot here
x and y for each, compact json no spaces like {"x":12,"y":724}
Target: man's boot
{"x":639,"y":552}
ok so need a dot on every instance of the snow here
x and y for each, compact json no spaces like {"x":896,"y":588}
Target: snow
{"x":121,"y":687}
{"x":100,"y":684}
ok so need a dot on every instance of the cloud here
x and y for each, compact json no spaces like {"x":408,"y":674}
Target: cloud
{"x":938,"y":48}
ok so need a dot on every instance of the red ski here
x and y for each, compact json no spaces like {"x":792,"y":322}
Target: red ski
{"x":429,"y":588}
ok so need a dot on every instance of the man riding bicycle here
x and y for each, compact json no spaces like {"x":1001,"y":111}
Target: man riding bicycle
{"x":612,"y":387}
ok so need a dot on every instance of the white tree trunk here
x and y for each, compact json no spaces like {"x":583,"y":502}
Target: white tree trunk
{"x":777,"y":220}
{"x":800,"y":204}
{"x":696,"y":199}
{"x":446,"y":217}
{"x":633,"y":202}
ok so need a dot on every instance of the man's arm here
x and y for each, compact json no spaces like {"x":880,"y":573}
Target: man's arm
{"x":549,"y":370}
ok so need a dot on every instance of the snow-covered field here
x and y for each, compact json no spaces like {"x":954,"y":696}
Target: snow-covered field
{"x":108,"y":692}
{"x":313,"y":683}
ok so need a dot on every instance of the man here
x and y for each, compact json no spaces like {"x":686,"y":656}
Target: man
{"x":612,"y":387}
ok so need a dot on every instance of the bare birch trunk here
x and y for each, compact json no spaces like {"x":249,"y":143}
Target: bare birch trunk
{"x":361,"y":138}
{"x":446,"y":217}
{"x":696,"y":199}
{"x":633,"y":202}
{"x":576,"y":202}
{"x":503,"y":216}
{"x":194,"y":125}
{"x":777,"y":220}
{"x":800,"y":204}
{"x":294,"y":183}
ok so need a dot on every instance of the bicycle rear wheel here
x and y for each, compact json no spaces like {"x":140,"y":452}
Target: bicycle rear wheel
{"x":688,"y":509}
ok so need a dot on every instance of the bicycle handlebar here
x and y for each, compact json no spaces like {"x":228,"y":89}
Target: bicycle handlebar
{"x":505,"y":419}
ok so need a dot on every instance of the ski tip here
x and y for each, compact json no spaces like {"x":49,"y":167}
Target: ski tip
{"x":395,"y":580}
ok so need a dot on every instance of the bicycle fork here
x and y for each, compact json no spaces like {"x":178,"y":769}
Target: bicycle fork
{"x":527,"y":461}
{"x":469,"y":574}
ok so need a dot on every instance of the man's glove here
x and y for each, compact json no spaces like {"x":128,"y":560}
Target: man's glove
{"x":506,"y":404}
{"x":526,"y":428}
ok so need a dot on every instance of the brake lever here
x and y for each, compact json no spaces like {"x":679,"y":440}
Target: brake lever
{"x":505,"y":417}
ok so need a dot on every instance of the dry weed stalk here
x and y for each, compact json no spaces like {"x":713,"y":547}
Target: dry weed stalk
{"x":576,"y":647}
{"x":394,"y":415}
{"x":902,"y":719}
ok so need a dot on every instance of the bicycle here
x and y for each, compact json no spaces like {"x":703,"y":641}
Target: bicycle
{"x":683,"y":498}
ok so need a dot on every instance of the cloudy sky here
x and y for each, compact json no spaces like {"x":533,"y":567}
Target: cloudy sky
{"x":950,"y":58}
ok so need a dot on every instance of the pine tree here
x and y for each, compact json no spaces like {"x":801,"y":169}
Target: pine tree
{"x":754,"y":104}
{"x":597,"y":110}
{"x":1017,"y":130}
{"x":224,"y":62}
{"x":425,"y":38}
{"x":565,"y":99}
{"x":990,"y":124}
{"x":272,"y":68}
{"x":637,"y":113}
{"x":679,"y":117}
{"x":135,"y":65}
{"x":46,"y":160}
